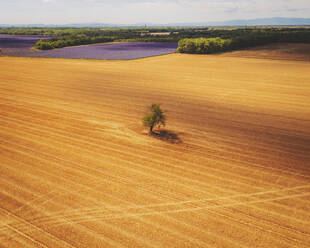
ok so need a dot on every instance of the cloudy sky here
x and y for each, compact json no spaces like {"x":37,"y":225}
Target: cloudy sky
{"x":146,"y":11}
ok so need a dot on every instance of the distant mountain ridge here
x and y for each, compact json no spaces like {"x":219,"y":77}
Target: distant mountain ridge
{"x":275,"y":21}
{"x":265,"y":22}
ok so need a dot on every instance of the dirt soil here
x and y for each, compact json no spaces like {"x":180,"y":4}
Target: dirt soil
{"x":287,"y":51}
{"x":231,"y":169}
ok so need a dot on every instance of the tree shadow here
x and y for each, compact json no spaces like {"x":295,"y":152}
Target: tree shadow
{"x":167,"y":136}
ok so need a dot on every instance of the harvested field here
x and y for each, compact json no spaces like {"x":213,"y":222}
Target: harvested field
{"x":287,"y":51}
{"x":79,"y":170}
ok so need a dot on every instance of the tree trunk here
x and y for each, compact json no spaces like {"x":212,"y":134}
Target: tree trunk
{"x":151,"y":129}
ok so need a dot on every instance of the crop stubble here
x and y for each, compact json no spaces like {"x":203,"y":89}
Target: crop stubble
{"x":78,"y":170}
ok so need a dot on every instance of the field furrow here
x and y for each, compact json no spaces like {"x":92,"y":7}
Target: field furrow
{"x":78,"y":169}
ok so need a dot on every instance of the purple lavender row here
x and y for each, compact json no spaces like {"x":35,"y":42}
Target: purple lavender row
{"x":20,"y":46}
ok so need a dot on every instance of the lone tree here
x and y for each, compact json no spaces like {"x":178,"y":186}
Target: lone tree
{"x":155,"y":118}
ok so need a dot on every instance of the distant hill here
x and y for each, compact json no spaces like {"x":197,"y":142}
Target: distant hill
{"x":264,"y":22}
{"x":275,"y":21}
{"x":74,"y":25}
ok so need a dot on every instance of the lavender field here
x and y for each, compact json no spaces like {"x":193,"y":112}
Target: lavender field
{"x":20,"y":46}
{"x":16,"y":42}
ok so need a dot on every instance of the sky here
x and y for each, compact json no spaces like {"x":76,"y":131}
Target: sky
{"x":146,"y":11}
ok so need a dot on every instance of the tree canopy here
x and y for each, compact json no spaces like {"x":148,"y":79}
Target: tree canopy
{"x":248,"y":39}
{"x":155,"y":118}
{"x":192,"y":39}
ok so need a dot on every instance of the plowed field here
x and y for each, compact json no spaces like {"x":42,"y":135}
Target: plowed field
{"x":288,"y":51}
{"x":79,"y":170}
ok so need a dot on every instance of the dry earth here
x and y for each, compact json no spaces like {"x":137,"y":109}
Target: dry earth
{"x":78,"y":170}
{"x":289,"y":51}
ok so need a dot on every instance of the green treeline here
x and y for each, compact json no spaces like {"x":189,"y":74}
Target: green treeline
{"x":80,"y":39}
{"x":70,"y":40}
{"x":215,"y":45}
{"x":148,"y":39}
{"x":75,"y":37}
{"x":191,"y":39}
{"x":204,"y":45}
{"x":56,"y":32}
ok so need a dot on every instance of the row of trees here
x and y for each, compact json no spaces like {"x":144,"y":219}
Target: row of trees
{"x":149,"y":39}
{"x":70,"y":40}
{"x":204,"y":45}
{"x":56,"y":32}
{"x":214,"y":45}
{"x":75,"y":40}
{"x":230,"y":38}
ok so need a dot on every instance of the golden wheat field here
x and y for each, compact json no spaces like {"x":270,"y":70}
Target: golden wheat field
{"x":78,"y":169}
